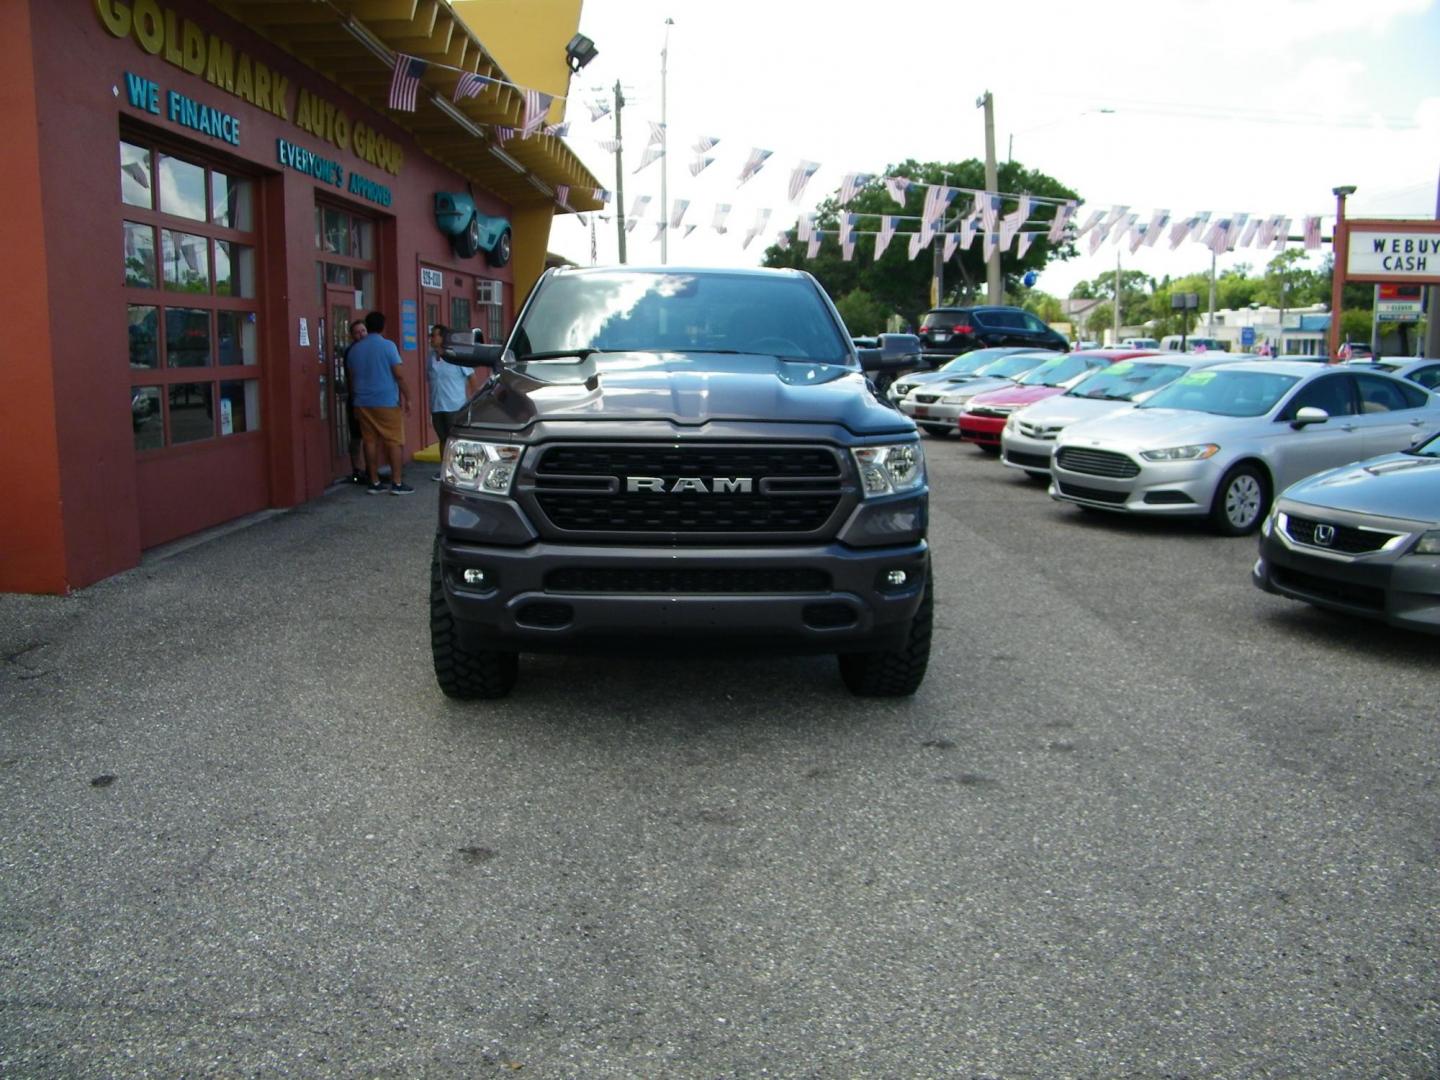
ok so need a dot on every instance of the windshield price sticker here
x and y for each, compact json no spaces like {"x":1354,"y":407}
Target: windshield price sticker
{"x":1197,"y":378}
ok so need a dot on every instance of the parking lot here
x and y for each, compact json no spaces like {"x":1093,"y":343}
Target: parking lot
{"x":1141,"y":820}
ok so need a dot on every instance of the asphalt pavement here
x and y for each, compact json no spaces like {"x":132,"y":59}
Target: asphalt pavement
{"x":1141,"y":820}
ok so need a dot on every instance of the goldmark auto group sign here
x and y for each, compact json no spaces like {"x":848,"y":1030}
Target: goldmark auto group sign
{"x":1393,"y":253}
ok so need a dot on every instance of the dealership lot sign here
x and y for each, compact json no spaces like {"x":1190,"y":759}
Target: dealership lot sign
{"x":1397,"y":253}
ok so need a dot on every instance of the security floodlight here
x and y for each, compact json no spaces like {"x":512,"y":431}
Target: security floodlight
{"x":580,"y":52}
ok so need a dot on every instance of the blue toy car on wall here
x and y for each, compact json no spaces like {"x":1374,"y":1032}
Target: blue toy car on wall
{"x":469,"y":230}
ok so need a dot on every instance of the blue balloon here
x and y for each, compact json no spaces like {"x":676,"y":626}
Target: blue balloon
{"x":1030,"y":278}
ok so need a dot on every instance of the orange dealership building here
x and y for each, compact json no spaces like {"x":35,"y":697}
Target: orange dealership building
{"x":197,"y":198}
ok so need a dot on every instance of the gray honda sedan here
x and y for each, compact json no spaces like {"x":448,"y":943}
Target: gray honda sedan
{"x":1221,"y":441}
{"x":1362,"y":539}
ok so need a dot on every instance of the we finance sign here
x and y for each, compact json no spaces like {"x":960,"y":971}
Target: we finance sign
{"x":1399,"y":253}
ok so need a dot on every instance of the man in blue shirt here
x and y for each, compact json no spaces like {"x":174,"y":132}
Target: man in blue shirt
{"x":381,"y":400}
{"x":451,"y":386}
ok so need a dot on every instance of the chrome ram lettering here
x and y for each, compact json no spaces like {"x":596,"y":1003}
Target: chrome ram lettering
{"x":721,"y":485}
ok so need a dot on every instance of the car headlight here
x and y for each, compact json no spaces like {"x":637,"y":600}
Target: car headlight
{"x":1197,"y":452}
{"x":889,"y":470}
{"x":481,"y":466}
{"x":1428,"y":544}
{"x":1012,"y":423}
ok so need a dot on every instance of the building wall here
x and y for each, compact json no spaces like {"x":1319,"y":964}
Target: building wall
{"x":85,"y":495}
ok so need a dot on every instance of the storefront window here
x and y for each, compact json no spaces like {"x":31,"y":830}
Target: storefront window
{"x":144,"y":337}
{"x":362,"y":238}
{"x":139,"y":255}
{"x":337,"y":275}
{"x":182,"y":189}
{"x":135,"y":186}
{"x":460,"y":313}
{"x":145,"y":417}
{"x":364,"y":282}
{"x":239,"y":406}
{"x":234,"y":269}
{"x":186,"y":262}
{"x":230,"y":202}
{"x":187,"y":337}
{"x":191,"y":415}
{"x":196,"y":239}
{"x":337,"y":232}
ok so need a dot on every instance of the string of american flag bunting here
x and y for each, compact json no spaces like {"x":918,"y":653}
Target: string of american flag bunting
{"x":984,"y":218}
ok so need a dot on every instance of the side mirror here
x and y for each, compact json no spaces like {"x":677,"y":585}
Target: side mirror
{"x":1309,"y":415}
{"x":871,"y":359}
{"x":899,"y":346}
{"x":461,"y":348}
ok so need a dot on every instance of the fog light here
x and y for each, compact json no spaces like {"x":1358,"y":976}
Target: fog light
{"x":474,"y":577}
{"x":896,"y":578}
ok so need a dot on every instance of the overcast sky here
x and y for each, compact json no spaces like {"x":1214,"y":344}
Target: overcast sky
{"x":1254,"y":106}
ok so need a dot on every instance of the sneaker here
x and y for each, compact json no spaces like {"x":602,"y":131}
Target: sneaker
{"x":401,"y":489}
{"x":376,"y":488}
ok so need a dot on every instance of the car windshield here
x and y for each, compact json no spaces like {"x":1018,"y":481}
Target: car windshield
{"x":970,"y":362}
{"x":1429,"y":449}
{"x":1124,"y":380}
{"x":1055,"y":372}
{"x":574,"y":316}
{"x":1008,"y":367}
{"x":1224,"y":393}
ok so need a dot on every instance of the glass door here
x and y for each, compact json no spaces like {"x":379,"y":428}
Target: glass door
{"x":339,"y":306}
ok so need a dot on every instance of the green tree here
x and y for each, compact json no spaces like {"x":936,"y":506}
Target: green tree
{"x":1134,"y":288}
{"x":863,"y":313}
{"x":1287,"y":277}
{"x":903,"y":285}
{"x":1043,"y":305}
{"x":1100,"y":319}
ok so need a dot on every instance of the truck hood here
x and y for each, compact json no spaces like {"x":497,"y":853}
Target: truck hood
{"x":687,"y":389}
{"x":1402,"y":486}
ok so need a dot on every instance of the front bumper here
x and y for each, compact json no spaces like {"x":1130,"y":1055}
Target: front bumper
{"x":1388,"y":585}
{"x":1020,"y":451}
{"x":1182,"y":488}
{"x":568,"y":597}
{"x":982,"y":430}
{"x":935,"y":412}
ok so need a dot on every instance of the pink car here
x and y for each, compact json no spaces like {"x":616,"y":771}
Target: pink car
{"x":984,"y":417}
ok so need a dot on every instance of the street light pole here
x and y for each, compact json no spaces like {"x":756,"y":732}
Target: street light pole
{"x":986,"y":101}
{"x":1339,"y":248}
{"x":664,"y":157}
{"x":619,"y":172}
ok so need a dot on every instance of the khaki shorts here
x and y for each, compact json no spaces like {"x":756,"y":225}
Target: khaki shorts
{"x":385,"y":424}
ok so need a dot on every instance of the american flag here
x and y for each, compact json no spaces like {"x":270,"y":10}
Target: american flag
{"x":601,"y":195}
{"x":1122,"y":227}
{"x":405,"y":83}
{"x":609,"y":145}
{"x":885,"y":235}
{"x":762,"y":219}
{"x":1137,"y":237}
{"x":1179,"y":231}
{"x":850,"y":185}
{"x":1023,"y":244}
{"x":700,"y":164}
{"x":704,"y":143}
{"x":800,"y":177}
{"x":989,"y":245}
{"x":897,"y":187}
{"x":1063,"y":214}
{"x":1116,"y":213}
{"x":782,"y":241}
{"x":1232,"y":235}
{"x":805,"y":226}
{"x":657,"y":132}
{"x":652,"y":154}
{"x":1090,"y":223}
{"x":1197,"y":224}
{"x":813,"y":248}
{"x":1251,"y":228}
{"x":952,"y":241}
{"x":1312,"y":233}
{"x":470,"y":85}
{"x":1282,"y":234}
{"x":637,"y":208}
{"x":753,"y":164}
{"x":722,"y":211}
{"x":989,"y":210}
{"x":630,"y":224}
{"x":501,"y":134}
{"x":688,"y":230}
{"x":559,"y":130}
{"x":847,"y":246}
{"x":967,"y":231}
{"x":536,"y":106}
{"x":599,"y":109}
{"x":562,"y":194}
{"x":659,"y":228}
{"x":677,"y":212}
{"x":1096,"y":239}
{"x":1266,"y":236}
{"x":1158,"y":221}
{"x":915,"y":245}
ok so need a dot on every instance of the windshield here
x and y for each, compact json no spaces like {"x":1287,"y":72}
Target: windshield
{"x":1224,"y":393}
{"x":575,"y":315}
{"x":1429,"y":449}
{"x":1123,"y":381}
{"x":1055,"y":372}
{"x":966,"y":363}
{"x":1009,"y":367}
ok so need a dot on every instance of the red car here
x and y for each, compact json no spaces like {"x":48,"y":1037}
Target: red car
{"x":984,"y":417}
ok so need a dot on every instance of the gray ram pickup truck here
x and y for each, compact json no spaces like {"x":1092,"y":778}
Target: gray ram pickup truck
{"x":680,"y":457}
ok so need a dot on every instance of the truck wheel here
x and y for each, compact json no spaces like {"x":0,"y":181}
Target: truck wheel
{"x":898,"y":673}
{"x":464,"y":673}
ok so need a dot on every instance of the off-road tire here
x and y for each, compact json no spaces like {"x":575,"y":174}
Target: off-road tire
{"x":466,"y":674}
{"x":898,"y":673}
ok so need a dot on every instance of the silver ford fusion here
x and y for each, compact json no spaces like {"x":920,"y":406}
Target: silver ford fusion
{"x":1362,"y":539}
{"x":1030,"y":433}
{"x":1220,"y":441}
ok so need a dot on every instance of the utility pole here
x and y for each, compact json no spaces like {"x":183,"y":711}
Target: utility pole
{"x":1210,"y":317}
{"x":1339,"y":246}
{"x":619,"y":172}
{"x":1432,"y":327}
{"x":992,"y":183}
{"x":1115,"y":341}
{"x":664,"y":157}
{"x":937,"y":256}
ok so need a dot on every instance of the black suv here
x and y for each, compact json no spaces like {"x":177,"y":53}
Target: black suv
{"x":950,"y":331}
{"x":675,"y":456}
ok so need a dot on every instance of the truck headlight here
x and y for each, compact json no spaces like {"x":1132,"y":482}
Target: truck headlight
{"x":1428,"y":544}
{"x":889,"y":470}
{"x":1197,"y":452}
{"x":481,"y":466}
